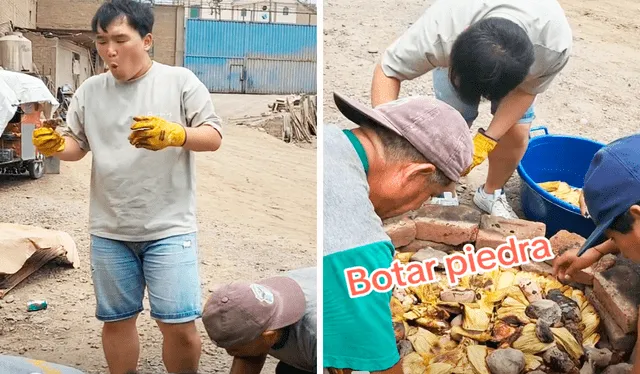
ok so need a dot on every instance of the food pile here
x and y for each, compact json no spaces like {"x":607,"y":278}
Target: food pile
{"x":562,"y":191}
{"x":493,"y":323}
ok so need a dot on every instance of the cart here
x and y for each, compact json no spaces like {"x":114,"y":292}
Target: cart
{"x":25,"y":101}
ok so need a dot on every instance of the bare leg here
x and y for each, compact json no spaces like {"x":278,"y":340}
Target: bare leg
{"x":181,"y":347}
{"x":121,"y":345}
{"x":504,"y":159}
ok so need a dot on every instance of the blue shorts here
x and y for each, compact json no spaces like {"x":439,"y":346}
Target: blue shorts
{"x":444,"y":91}
{"x":168,"y":267}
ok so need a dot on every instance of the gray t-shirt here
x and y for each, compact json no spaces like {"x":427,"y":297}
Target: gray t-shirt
{"x":299,"y":349}
{"x":23,"y":365}
{"x":138,"y":194}
{"x":427,"y":43}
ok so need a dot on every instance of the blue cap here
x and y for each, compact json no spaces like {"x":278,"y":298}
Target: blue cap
{"x":611,"y":185}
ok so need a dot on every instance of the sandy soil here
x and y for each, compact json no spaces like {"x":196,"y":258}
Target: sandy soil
{"x":257,"y":218}
{"x":600,"y":83}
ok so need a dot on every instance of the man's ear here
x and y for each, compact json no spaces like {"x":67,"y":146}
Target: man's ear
{"x":635,"y":212}
{"x":415,"y":170}
{"x":148,"y":42}
{"x":270,"y":336}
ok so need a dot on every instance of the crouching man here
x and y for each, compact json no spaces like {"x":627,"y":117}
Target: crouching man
{"x":611,"y":194}
{"x":275,"y":316}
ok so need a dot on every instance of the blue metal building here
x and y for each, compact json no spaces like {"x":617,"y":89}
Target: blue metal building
{"x":247,"y":57}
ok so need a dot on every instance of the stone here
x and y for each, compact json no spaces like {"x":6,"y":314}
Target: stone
{"x":506,"y":361}
{"x":570,"y":309}
{"x":530,"y":289}
{"x":428,"y":254}
{"x":558,"y":360}
{"x":452,"y":225}
{"x":622,"y":368}
{"x":458,"y":296}
{"x":493,"y":231}
{"x":537,"y":267}
{"x":404,"y":347}
{"x":401,"y":230}
{"x":617,"y":339}
{"x":600,"y":357}
{"x":587,"y":368}
{"x":546,"y":310}
{"x":618,"y":289}
{"x":417,"y":245}
{"x":543,"y":332}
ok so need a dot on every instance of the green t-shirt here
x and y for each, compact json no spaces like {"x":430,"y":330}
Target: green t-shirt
{"x":357,"y":332}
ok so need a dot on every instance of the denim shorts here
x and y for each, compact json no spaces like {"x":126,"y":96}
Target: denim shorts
{"x":444,"y":91}
{"x":168,"y":267}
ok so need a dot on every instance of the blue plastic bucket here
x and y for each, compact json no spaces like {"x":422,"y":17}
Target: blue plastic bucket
{"x":555,"y":158}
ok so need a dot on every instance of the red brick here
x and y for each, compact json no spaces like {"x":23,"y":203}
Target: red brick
{"x":537,"y":267}
{"x":401,"y":230}
{"x":617,"y":289}
{"x":564,"y":240}
{"x":452,"y":225}
{"x":618,"y":340}
{"x":605,"y":263}
{"x":417,"y":245}
{"x":494,"y":230}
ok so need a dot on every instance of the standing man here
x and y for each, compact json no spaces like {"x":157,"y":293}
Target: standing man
{"x":403,"y":153}
{"x":275,"y":316}
{"x":506,"y":51}
{"x":143,"y":122}
{"x":612,"y":197}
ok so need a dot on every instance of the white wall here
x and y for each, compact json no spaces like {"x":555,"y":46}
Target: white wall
{"x":64,"y":57}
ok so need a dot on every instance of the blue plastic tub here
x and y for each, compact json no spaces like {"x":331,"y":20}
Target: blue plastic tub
{"x":555,"y":158}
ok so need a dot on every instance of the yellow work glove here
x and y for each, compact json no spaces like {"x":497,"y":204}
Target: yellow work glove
{"x":155,"y":133}
{"x":482,"y":146}
{"x":46,"y":140}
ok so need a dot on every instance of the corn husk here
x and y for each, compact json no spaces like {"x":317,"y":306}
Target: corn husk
{"x":568,"y":342}
{"x":528,"y":342}
{"x":496,"y":317}
{"x":477,"y":354}
{"x":413,"y":363}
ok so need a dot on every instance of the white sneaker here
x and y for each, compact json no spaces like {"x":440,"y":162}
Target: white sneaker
{"x":495,"y":204}
{"x":448,"y":199}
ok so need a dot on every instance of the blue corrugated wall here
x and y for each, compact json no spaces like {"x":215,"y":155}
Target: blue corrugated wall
{"x":246,"y":57}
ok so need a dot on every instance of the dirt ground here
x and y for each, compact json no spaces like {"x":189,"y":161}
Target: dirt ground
{"x":257,"y":218}
{"x":599,"y":85}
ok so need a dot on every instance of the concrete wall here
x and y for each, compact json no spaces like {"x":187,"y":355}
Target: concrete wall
{"x":76,"y":15}
{"x":21,"y":12}
{"x":53,"y":59}
{"x":64,"y":60}
{"x":232,"y":11}
{"x":44,"y":54}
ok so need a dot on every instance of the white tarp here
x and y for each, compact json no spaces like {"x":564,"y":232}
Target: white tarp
{"x":19,"y":88}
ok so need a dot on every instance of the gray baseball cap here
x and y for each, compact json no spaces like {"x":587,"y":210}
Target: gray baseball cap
{"x":238,"y":312}
{"x":433,"y":127}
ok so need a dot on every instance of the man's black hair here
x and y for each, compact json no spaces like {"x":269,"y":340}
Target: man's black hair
{"x":624,"y":222}
{"x":138,"y":15}
{"x":489,"y":59}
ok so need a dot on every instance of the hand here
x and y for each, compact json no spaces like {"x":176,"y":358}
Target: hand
{"x":583,"y":206}
{"x":47,"y":141}
{"x":482,"y":146}
{"x":155,"y":133}
{"x":569,"y":262}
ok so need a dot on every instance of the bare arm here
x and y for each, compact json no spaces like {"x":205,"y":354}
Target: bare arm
{"x":383,"y":88}
{"x":72,"y":150}
{"x":202,"y":138}
{"x":509,"y":112}
{"x":247,"y":365}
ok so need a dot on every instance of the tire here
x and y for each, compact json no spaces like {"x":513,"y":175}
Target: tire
{"x":36,"y":167}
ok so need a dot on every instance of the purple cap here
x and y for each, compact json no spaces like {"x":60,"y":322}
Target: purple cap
{"x":434,"y":128}
{"x":238,"y":312}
